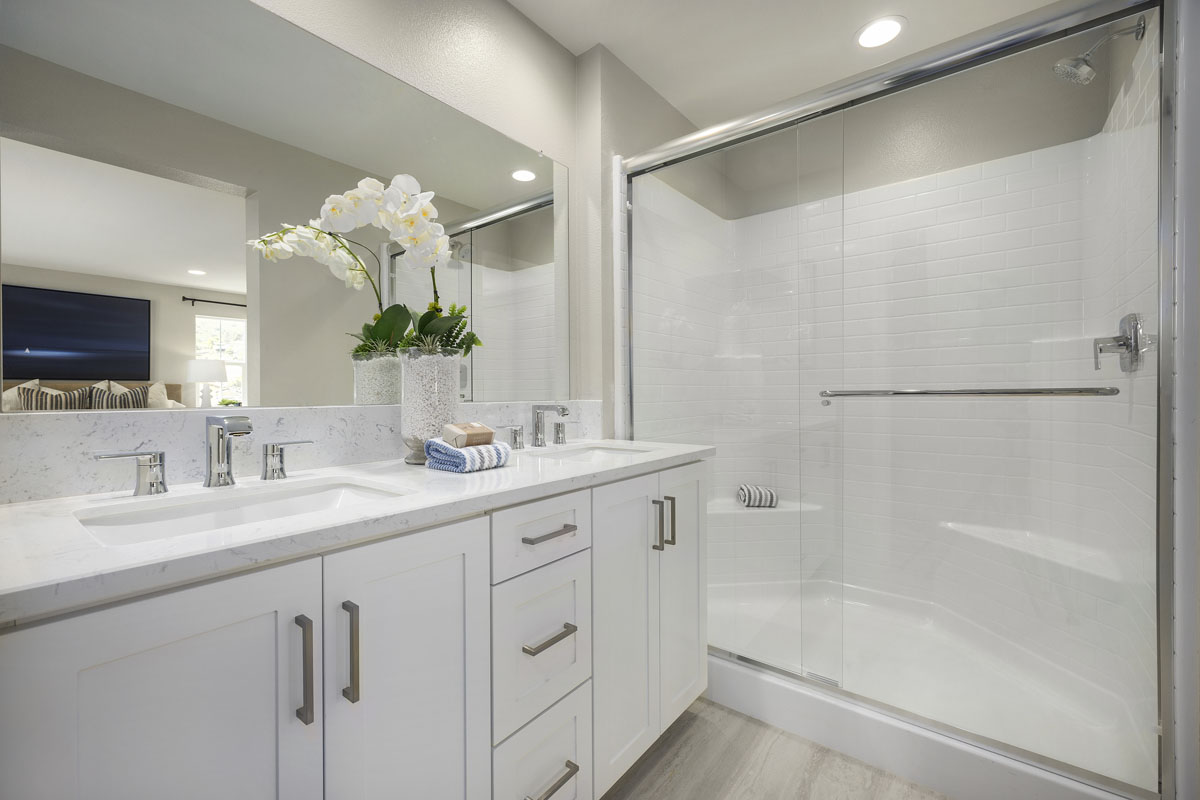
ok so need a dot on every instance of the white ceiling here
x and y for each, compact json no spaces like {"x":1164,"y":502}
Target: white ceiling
{"x":715,"y":60}
{"x":68,"y":213}
{"x":238,"y":63}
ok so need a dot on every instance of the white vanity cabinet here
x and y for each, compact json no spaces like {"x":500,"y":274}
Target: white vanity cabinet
{"x":535,"y":651}
{"x":649,"y":635}
{"x":407,"y":667}
{"x":189,"y":694}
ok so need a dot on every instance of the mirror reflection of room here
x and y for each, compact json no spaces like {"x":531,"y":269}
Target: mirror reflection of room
{"x":182,"y":154}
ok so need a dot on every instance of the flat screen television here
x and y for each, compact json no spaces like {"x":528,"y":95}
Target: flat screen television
{"x":56,"y":335}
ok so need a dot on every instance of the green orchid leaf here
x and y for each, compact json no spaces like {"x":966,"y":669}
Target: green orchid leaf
{"x":439,"y":325}
{"x":392,"y":324}
{"x":423,"y":323}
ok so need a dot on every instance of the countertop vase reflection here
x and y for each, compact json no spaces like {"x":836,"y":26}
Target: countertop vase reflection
{"x":376,"y":378}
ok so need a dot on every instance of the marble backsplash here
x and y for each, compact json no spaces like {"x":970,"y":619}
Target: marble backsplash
{"x":49,"y":454}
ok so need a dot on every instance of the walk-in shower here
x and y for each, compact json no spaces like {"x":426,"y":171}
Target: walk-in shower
{"x":927,"y":320}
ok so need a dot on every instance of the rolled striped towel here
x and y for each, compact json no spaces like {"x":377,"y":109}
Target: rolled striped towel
{"x":757,"y":496}
{"x":447,"y":457}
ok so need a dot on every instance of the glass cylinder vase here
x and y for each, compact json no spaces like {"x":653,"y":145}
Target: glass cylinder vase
{"x":376,"y":379}
{"x":430,"y":397}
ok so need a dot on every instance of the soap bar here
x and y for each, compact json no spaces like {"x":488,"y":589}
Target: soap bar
{"x":467,"y":434}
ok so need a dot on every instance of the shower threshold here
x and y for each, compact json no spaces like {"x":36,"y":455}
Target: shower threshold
{"x":923,"y":663}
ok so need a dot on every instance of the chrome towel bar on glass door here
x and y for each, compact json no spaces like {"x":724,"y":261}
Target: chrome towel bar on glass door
{"x":1077,"y":391}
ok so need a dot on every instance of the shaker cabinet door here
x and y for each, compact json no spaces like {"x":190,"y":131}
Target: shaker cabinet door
{"x":625,"y":633}
{"x":407,"y":664}
{"x":190,"y":694}
{"x":683,"y":635}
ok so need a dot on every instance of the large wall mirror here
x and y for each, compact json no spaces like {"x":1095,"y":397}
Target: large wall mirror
{"x":143,"y":142}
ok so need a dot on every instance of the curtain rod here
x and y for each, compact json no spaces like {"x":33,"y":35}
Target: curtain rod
{"x":194,"y":300}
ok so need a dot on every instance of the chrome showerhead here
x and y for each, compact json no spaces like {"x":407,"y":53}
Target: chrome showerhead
{"x":1079,"y":69}
{"x":1076,"y":69}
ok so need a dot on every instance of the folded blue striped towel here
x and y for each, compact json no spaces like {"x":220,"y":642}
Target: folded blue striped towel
{"x":757,"y":496}
{"x":444,"y":456}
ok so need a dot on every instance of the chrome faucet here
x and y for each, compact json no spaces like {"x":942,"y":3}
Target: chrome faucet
{"x":539,"y":421}
{"x":218,"y":447}
{"x":273,"y":467}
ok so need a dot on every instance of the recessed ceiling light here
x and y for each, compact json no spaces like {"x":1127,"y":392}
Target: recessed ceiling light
{"x":196,"y":272}
{"x":523,"y":175}
{"x":880,"y":31}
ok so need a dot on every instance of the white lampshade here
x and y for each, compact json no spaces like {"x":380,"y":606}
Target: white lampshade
{"x":206,"y":370}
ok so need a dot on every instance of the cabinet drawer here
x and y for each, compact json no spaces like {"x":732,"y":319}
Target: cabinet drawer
{"x":551,"y":757}
{"x":541,"y":640}
{"x":527,"y":536}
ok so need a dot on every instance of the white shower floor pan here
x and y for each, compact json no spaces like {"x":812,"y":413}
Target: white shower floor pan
{"x":934,"y":664}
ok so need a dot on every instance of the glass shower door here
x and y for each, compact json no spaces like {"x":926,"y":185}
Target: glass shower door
{"x":999,"y":564}
{"x":735,"y":315}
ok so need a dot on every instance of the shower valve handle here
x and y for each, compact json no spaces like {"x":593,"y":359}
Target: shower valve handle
{"x":1131,"y":342}
{"x":1108,"y":344}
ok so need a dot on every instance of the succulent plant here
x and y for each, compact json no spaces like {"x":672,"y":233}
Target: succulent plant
{"x":400,"y":327}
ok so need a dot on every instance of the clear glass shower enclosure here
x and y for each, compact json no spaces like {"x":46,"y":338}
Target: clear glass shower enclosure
{"x":914,"y":319}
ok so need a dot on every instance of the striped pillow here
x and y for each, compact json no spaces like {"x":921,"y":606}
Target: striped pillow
{"x":36,"y":399}
{"x":130,"y":398}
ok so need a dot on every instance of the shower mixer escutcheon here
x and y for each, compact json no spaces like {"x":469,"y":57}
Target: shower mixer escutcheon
{"x":1131,"y":342}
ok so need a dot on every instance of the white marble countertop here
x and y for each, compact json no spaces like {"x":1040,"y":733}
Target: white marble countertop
{"x":51,"y":564}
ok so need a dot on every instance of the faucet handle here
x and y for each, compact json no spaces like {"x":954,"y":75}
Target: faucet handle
{"x":516,"y":437}
{"x":273,"y":467}
{"x":151,"y":469}
{"x":153,"y":457}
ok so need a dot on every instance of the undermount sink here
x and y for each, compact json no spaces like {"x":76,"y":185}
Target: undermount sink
{"x":147,"y":521}
{"x":592,"y":453}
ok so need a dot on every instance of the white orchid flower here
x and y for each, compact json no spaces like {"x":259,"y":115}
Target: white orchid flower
{"x":339,"y":214}
{"x":431,"y":252}
{"x":272,"y":248}
{"x":366,"y":204}
{"x":341,"y":263}
{"x":409,"y":227}
{"x":402,"y":189}
{"x":309,"y":241}
{"x":373,"y":186}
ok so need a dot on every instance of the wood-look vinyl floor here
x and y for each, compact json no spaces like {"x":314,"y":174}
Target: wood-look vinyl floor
{"x":715,"y":753}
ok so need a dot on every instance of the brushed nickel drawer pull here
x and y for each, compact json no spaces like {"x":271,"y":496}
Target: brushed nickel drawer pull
{"x":572,"y":768}
{"x":534,"y":649}
{"x":545,"y":537}
{"x":661,"y":544}
{"x":305,"y":712}
{"x":671,"y":500}
{"x":351,"y":692}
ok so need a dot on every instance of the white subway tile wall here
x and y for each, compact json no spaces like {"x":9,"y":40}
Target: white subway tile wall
{"x":1033,"y":519}
{"x":515,"y":319}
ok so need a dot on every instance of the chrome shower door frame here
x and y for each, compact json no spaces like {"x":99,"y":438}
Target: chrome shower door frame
{"x":1178,"y":593}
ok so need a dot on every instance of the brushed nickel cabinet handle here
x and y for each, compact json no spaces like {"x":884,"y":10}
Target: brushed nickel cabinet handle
{"x":351,"y":692}
{"x":560,"y":782}
{"x":671,"y":500}
{"x":545,"y":537}
{"x":533,"y":649}
{"x":661,"y":544}
{"x":305,"y":712}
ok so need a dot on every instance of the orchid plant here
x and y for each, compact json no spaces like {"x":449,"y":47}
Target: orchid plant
{"x":410,"y":218}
